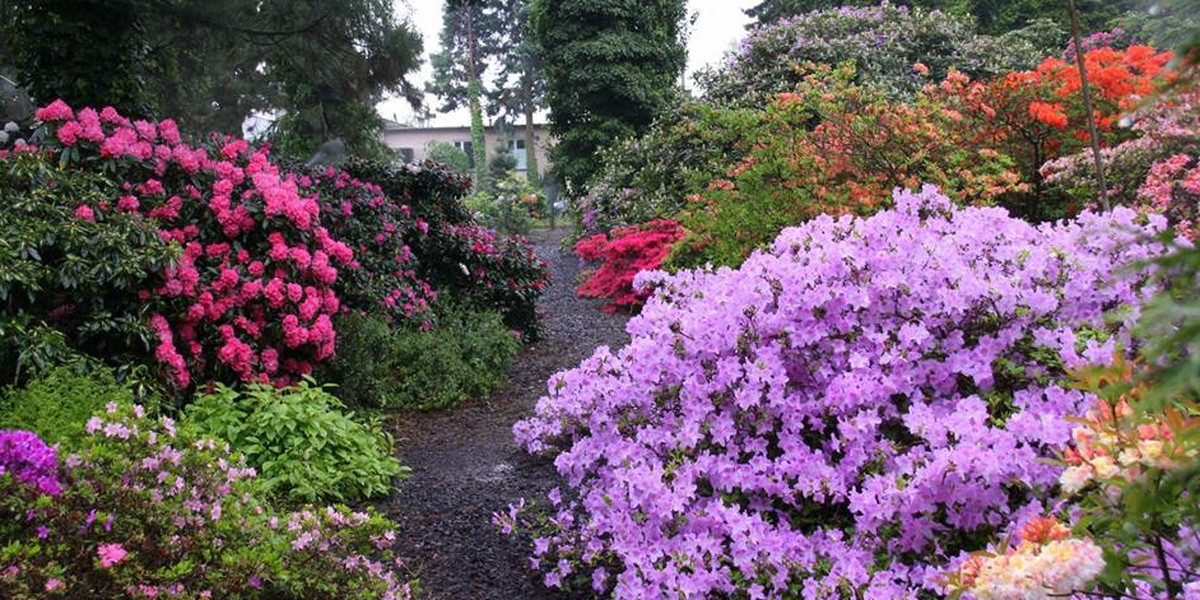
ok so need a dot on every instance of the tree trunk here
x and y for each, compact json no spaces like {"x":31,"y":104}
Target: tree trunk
{"x":531,"y":164}
{"x":478,"y":143}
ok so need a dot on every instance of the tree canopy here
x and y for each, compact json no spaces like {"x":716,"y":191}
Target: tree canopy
{"x":209,"y":63}
{"x":609,"y":66}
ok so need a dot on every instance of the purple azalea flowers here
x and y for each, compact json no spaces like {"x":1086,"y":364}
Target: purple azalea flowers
{"x":845,"y":414}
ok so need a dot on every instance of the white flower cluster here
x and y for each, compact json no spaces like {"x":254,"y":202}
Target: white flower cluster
{"x":1039,"y":572}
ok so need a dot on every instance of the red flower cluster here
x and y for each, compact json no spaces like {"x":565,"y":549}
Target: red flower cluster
{"x":625,"y":252}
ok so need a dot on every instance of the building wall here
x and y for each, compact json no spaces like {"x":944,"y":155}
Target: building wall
{"x":417,"y":139}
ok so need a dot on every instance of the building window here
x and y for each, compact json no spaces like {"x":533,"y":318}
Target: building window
{"x":465,"y":146}
{"x":517,"y":148}
{"x":405,"y":154}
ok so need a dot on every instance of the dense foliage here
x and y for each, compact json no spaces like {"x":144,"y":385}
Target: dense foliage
{"x":303,"y":447}
{"x":59,"y":401}
{"x":884,"y":42}
{"x":650,"y":176}
{"x":382,"y":277}
{"x":147,"y":510}
{"x":69,"y":286}
{"x":993,"y":17}
{"x":609,"y":67}
{"x":323,"y":64}
{"x":511,"y":205}
{"x":829,"y":418}
{"x":458,"y":256}
{"x":465,"y":356}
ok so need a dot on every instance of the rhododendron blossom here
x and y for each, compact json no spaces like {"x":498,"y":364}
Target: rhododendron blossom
{"x":845,"y":414}
{"x":246,"y":233}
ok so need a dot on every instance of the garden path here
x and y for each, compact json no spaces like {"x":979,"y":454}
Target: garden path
{"x":466,"y":466}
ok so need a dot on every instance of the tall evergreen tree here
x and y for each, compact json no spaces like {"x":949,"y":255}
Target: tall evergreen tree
{"x":469,"y":32}
{"x":610,"y":66}
{"x":518,"y":88}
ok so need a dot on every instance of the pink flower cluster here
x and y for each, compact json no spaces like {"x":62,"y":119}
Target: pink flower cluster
{"x":1172,"y":187}
{"x":142,"y":494}
{"x":253,"y":291}
{"x":1156,"y":171}
{"x":383,"y":277}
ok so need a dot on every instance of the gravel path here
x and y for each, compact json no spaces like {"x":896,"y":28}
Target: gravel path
{"x":466,"y":466}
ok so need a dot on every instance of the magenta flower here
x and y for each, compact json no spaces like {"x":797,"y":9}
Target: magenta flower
{"x":110,"y":554}
{"x":85,"y":212}
{"x":30,"y":461}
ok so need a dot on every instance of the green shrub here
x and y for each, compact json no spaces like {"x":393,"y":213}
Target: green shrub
{"x":146,"y":509}
{"x":303,"y":446}
{"x":57,"y":403}
{"x":69,"y":278}
{"x":464,"y":356}
{"x":511,"y":205}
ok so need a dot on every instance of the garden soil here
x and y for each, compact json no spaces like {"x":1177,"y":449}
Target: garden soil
{"x":465,"y":465}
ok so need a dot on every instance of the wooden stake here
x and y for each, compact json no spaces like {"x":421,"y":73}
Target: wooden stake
{"x":1087,"y":105}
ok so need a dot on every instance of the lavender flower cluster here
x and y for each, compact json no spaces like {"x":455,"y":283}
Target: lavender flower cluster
{"x":28,"y":459}
{"x":843,"y":416}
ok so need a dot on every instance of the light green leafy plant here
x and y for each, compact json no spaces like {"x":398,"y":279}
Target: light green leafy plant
{"x":303,"y":445}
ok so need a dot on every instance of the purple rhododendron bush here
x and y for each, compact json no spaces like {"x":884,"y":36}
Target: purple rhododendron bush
{"x":846,"y":415}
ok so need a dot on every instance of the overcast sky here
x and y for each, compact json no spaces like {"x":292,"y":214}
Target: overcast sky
{"x":718,"y":27}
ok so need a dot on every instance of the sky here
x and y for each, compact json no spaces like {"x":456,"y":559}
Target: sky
{"x":719,"y":25}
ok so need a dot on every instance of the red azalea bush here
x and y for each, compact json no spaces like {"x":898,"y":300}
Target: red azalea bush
{"x":383,"y":277}
{"x":252,"y":294}
{"x":625,"y":252}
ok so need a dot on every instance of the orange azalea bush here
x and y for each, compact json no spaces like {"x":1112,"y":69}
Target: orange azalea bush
{"x":834,"y":147}
{"x":1038,"y":115}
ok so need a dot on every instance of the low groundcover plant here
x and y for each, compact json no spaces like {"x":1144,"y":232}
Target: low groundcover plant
{"x":147,"y":509}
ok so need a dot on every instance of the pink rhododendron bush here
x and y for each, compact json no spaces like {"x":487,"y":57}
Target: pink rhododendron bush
{"x":252,"y":293}
{"x":147,"y":509}
{"x":845,"y":415}
{"x":233,"y":268}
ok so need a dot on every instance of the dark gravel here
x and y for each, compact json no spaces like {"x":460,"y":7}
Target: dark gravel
{"x":466,"y":466}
